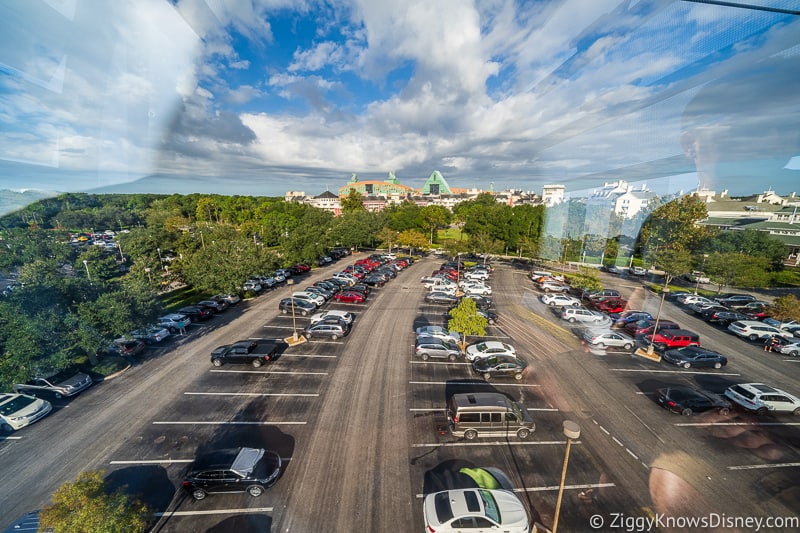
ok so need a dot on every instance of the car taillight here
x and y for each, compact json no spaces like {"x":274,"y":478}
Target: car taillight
{"x":455,"y":419}
{"x":186,"y":483}
{"x":431,"y":529}
{"x":671,"y":403}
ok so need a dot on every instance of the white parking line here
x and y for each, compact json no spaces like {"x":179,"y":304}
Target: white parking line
{"x":494,"y":443}
{"x":492,"y":384}
{"x":754,"y":467}
{"x":271,"y":372}
{"x":225,"y":423}
{"x":795,"y":360}
{"x":309,"y":355}
{"x":415,"y":362}
{"x":151,"y":462}
{"x":704,"y":424}
{"x":10,"y":438}
{"x":420,"y":410}
{"x":555,"y":488}
{"x":216,"y":511}
{"x":247,"y":394}
{"x":709,"y":373}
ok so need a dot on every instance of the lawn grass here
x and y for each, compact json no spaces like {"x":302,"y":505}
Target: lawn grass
{"x":449,"y":234}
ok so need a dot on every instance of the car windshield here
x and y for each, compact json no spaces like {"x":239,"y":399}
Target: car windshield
{"x":16,"y":404}
{"x":490,"y":507}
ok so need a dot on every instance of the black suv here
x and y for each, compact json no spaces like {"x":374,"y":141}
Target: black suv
{"x":247,"y":352}
{"x":251,"y":470}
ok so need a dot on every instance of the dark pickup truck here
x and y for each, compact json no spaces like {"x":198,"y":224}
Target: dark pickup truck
{"x":249,"y":352}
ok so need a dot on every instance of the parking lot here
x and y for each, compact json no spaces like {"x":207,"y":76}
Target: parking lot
{"x":360,"y":423}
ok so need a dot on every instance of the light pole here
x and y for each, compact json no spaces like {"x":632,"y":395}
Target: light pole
{"x":295,"y":338}
{"x":88,"y":275}
{"x":160,"y":259}
{"x":648,"y":353}
{"x":149,"y":277}
{"x":572,"y":431}
{"x":697,"y":276}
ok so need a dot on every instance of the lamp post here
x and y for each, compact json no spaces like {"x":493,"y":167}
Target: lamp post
{"x":88,"y":275}
{"x":649,"y":351}
{"x":572,"y":431}
{"x":295,"y":338}
{"x":160,"y":259}
{"x":149,"y":277}
{"x":697,"y":276}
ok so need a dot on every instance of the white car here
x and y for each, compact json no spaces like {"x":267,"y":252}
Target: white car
{"x":437,"y":332}
{"x":687,"y":299}
{"x":603,"y":338}
{"x":344,"y":316}
{"x":230,"y":299}
{"x":762,"y":399}
{"x":792,"y":349}
{"x":316,"y":299}
{"x":581,"y":314}
{"x":562,"y":300}
{"x":252,"y":286}
{"x":20,"y":410}
{"x":452,"y":511}
{"x":174,"y":322}
{"x":481,"y":275}
{"x":754,"y":330}
{"x":475,"y":288}
{"x":151,"y":334}
{"x":483,"y":349}
{"x":346,"y":277}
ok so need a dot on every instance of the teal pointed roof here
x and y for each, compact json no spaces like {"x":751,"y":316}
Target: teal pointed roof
{"x":437,"y":180}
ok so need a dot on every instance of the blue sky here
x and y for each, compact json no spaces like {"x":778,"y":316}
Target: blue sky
{"x":262,"y":97}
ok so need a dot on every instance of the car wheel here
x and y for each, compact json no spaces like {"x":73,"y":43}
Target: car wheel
{"x":425,"y":357}
{"x":518,"y":376}
{"x":724,"y":411}
{"x":601,"y":345}
{"x":334,"y":337}
{"x":761,"y":411}
{"x":7,"y":427}
{"x":492,"y":321}
{"x":470,"y":434}
{"x":304,"y":313}
{"x":523,"y":433}
{"x":796,"y":412}
{"x":199,"y":494}
{"x":753,"y":338}
{"x":216,"y":362}
{"x":686,"y":365}
{"x":58,"y":396}
{"x":552,"y":304}
{"x":255,"y":490}
{"x":487,"y":377}
{"x":628,"y":346}
{"x":284,"y":311}
{"x":571,"y":319}
{"x":718,"y":365}
{"x":686,"y":411}
{"x":794,"y":353}
{"x":452,"y":357}
{"x":257,"y":363}
{"x":547,"y":291}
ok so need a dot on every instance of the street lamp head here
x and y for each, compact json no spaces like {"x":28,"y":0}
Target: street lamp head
{"x":571,"y":430}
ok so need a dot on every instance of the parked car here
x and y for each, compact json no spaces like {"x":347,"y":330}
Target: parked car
{"x":672,"y":338}
{"x":646,"y":327}
{"x":581,"y":314}
{"x":724,"y":317}
{"x":310,"y":297}
{"x":476,"y":288}
{"x":754,"y":330}
{"x":478,"y":509}
{"x":730,"y":299}
{"x":342,"y":316}
{"x":482,"y":349}
{"x":247,"y":352}
{"x":489,"y":314}
{"x":499,"y":365}
{"x":431,"y":347}
{"x":695,"y":356}
{"x":560,"y":300}
{"x":762,"y":399}
{"x":603,"y":338}
{"x":637,"y":271}
{"x":327,"y":328}
{"x":296,"y":306}
{"x":792,"y":348}
{"x":20,"y":410}
{"x":551,"y":285}
{"x":438,"y":297}
{"x":314,"y":289}
{"x":195,"y":313}
{"x":629,"y":316}
{"x":230,"y":299}
{"x":252,"y":286}
{"x":59,"y":385}
{"x":250,"y":470}
{"x":174,"y":322}
{"x":687,"y":299}
{"x":437,"y":332}
{"x":479,"y":275}
{"x":151,"y":334}
{"x":349,"y":296}
{"x":602,"y":293}
{"x":216,"y":305}
{"x":375,"y":279}
{"x":687,"y":401}
{"x":126,"y":347}
{"x":609,"y":305}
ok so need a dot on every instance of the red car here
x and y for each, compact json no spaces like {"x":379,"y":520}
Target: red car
{"x":611,"y":305}
{"x":350,"y":297}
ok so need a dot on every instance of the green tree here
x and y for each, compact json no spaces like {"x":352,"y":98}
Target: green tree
{"x":586,"y":279}
{"x":412,"y":239}
{"x":674,"y":262}
{"x":675,"y":222}
{"x":464,"y":319}
{"x":435,"y":216}
{"x":737,"y":270}
{"x":88,"y":506}
{"x":785,"y":308}
{"x":387,"y":237}
{"x":354,"y":201}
